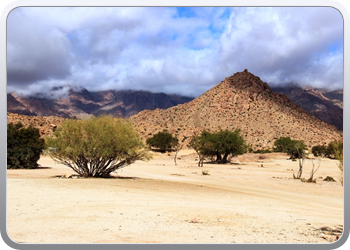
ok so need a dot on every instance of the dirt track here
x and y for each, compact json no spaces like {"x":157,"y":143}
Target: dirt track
{"x":158,"y":202}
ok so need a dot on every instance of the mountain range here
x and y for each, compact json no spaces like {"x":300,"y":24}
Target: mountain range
{"x":82,"y":103}
{"x":241,"y":101}
{"x":325,"y":105}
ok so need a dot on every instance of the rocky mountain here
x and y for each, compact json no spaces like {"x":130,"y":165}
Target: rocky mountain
{"x":325,"y":105}
{"x":45,"y":124}
{"x":81,"y":103}
{"x":240,"y":101}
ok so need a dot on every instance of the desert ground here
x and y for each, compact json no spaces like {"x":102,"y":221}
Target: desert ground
{"x":160,"y":202}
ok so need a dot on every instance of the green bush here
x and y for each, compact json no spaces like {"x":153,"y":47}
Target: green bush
{"x":295,"y":148}
{"x":96,"y":147}
{"x":163,"y":140}
{"x":319,"y":150}
{"x":335,"y":150}
{"x":283,"y":144}
{"x":24,"y":146}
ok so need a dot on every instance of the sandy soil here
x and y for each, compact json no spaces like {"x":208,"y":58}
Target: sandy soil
{"x":160,"y":202}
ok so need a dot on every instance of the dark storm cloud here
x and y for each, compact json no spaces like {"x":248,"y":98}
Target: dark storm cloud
{"x":35,"y":51}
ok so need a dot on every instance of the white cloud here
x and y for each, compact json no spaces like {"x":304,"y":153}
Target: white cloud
{"x":161,"y":49}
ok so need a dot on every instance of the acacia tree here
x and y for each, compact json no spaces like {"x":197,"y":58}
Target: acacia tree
{"x":296,"y":149}
{"x":283,"y":144}
{"x":228,"y":143}
{"x":221,"y":145}
{"x":96,"y":147}
{"x":163,"y":140}
{"x":201,"y":146}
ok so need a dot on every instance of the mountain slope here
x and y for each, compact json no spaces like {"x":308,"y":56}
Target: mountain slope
{"x":240,"y":101}
{"x":45,"y":124}
{"x":326,"y":106}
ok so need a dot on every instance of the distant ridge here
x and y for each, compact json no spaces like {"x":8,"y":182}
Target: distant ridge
{"x":240,"y":101}
{"x":82,"y":103}
{"x":325,"y":105}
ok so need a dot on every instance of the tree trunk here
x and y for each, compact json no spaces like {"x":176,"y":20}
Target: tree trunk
{"x":313,"y":171}
{"x":301,"y":164}
{"x":224,"y":159}
{"x":177,"y":151}
{"x":200,"y":163}
{"x":218,"y":157}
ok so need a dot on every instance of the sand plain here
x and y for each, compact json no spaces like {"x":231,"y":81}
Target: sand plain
{"x":160,"y":202}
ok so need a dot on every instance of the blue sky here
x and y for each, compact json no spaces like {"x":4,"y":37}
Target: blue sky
{"x":173,"y":50}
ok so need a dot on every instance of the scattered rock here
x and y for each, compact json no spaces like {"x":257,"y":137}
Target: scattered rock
{"x":194,"y":220}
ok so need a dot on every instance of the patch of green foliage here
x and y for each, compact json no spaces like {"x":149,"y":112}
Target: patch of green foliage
{"x":294,"y":148}
{"x":335,"y":150}
{"x":24,"y":146}
{"x":163,"y":141}
{"x":319,"y":150}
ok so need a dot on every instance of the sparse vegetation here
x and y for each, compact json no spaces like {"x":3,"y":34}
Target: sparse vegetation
{"x":333,"y":150}
{"x":24,"y":146}
{"x":96,"y":147}
{"x":313,"y":171}
{"x":296,"y":149}
{"x":329,"y":178}
{"x":319,"y":150}
{"x":163,"y":140}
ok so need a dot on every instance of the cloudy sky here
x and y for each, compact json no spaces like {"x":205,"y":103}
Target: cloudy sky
{"x":173,"y":50}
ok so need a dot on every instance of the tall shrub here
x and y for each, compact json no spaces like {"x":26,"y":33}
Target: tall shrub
{"x":24,"y":146}
{"x":96,"y":147}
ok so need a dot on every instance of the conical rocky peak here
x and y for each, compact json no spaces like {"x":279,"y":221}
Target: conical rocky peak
{"x":246,"y":80}
{"x":240,"y":101}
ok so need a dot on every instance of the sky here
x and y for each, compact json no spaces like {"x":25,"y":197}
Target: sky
{"x":175,"y":50}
